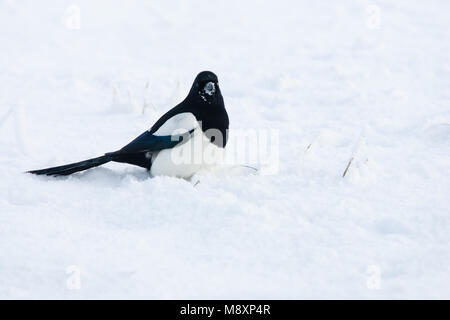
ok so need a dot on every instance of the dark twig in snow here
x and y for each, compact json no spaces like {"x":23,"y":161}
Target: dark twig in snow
{"x":348,"y":166}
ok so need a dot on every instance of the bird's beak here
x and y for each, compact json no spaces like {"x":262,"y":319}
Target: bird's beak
{"x":210,"y":88}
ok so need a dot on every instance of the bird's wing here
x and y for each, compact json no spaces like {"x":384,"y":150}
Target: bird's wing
{"x":181,"y":122}
{"x":175,"y":130}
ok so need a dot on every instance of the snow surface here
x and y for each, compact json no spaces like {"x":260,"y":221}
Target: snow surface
{"x":339,"y":80}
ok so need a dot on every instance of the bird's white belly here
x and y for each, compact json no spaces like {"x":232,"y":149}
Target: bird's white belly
{"x":185,"y":160}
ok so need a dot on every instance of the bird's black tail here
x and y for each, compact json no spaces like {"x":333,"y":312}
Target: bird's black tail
{"x":73,"y":167}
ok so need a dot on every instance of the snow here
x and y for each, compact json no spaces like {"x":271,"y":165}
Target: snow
{"x":355,"y":79}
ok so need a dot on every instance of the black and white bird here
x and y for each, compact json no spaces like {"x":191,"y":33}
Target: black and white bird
{"x":188,"y":139}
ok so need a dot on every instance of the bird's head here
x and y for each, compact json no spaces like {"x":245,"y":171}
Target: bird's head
{"x":205,"y":89}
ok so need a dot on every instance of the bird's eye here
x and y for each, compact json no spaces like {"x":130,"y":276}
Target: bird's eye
{"x":209,"y":88}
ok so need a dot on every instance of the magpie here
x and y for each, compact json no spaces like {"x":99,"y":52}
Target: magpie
{"x":187,"y":139}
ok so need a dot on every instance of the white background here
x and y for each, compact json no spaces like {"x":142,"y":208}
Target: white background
{"x":343,"y":77}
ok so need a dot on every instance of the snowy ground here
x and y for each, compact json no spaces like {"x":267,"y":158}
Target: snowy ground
{"x":336,"y":79}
